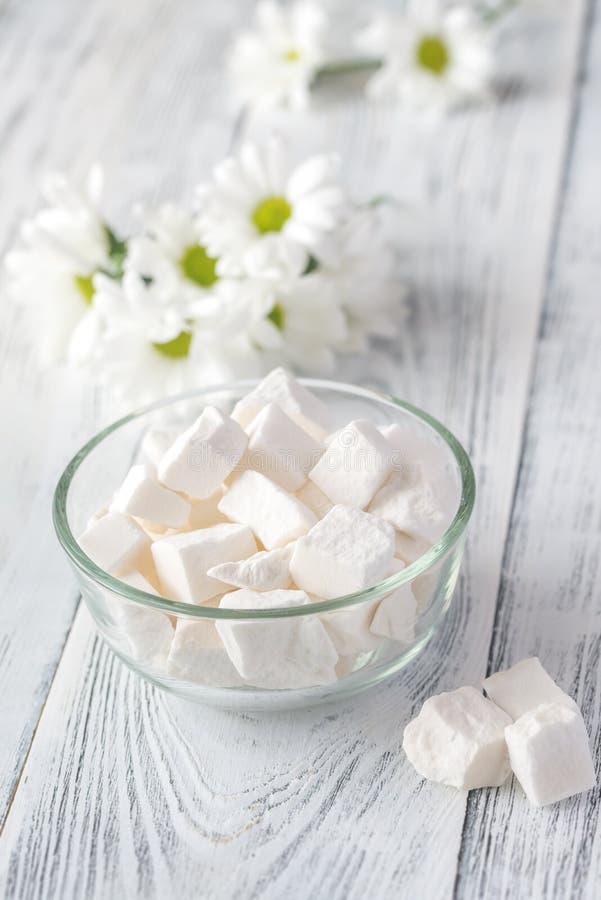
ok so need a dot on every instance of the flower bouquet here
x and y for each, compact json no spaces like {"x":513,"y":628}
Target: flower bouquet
{"x":270,"y":264}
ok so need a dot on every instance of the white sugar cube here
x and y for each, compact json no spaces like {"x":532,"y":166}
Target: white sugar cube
{"x":355,"y":465}
{"x":289,"y":652}
{"x":182,"y":561}
{"x":197,"y":654}
{"x":204,"y":513}
{"x":214,"y":602}
{"x":199,"y":459}
{"x":524,"y":687}
{"x":458,"y":739}
{"x":268,"y":570}
{"x":409,"y":548}
{"x":396,"y":614}
{"x":141,"y":496}
{"x":280,"y":449}
{"x":144,"y":633}
{"x":550,"y":754}
{"x":424,"y":588}
{"x":155,"y":444}
{"x":346,"y":551}
{"x":156,"y":531}
{"x":412,"y":446}
{"x":345,"y":665}
{"x":407,"y":501}
{"x":349,"y":628}
{"x":147,"y":569}
{"x":293,"y":398}
{"x":275,"y":516}
{"x":115,"y":542}
{"x":314,"y":498}
{"x":139,"y":581}
{"x":102,"y":511}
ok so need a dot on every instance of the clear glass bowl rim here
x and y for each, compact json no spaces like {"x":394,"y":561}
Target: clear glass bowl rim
{"x":173,"y":607}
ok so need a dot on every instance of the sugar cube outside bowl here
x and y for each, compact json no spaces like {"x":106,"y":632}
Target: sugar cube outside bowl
{"x":191,"y":650}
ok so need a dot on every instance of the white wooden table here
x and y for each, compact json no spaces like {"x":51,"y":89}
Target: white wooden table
{"x":109,"y":789}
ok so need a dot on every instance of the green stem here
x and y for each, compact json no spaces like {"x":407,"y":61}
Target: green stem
{"x":380,"y":200}
{"x":348,"y":67}
{"x":491,"y":16}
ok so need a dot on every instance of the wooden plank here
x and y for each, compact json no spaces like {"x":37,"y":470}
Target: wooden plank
{"x":126,"y":792}
{"x":549,"y":598}
{"x":99,"y":86}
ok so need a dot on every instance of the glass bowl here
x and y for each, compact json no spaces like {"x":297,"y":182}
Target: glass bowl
{"x":138,"y":626}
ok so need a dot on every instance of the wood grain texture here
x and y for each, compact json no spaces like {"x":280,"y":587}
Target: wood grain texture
{"x":126,"y":792}
{"x":176,"y":796}
{"x":132,"y":85}
{"x":551,"y":587}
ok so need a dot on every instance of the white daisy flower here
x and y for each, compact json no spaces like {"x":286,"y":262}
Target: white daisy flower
{"x":256,"y":212}
{"x":114,"y":347}
{"x":169,"y":258}
{"x":305,"y":326}
{"x":361,"y":267}
{"x":277,"y":267}
{"x":275,"y":259}
{"x":51,"y":273}
{"x":169,"y":273}
{"x":434,"y":56}
{"x":276,"y":62}
{"x":143,"y":347}
{"x":237,"y":357}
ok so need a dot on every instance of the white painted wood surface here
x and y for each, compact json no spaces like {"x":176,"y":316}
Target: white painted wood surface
{"x":81,"y":88}
{"x":108,"y":788}
{"x":550,"y":597}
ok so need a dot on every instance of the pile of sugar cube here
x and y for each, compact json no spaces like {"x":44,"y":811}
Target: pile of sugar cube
{"x":268,"y":508}
{"x":526,"y":724}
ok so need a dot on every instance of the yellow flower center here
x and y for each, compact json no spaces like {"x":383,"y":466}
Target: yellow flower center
{"x":291,"y":55}
{"x":277,"y":316}
{"x":271,"y":214}
{"x":198,"y":266}
{"x":177,"y":348}
{"x":85,"y":286}
{"x":432,"y":54}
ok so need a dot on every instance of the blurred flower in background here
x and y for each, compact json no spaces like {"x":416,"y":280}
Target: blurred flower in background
{"x":276,"y":61}
{"x":274,"y":265}
{"x":434,"y":57}
{"x":256,"y":213}
{"x":53,"y":269}
{"x":431,"y":55}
